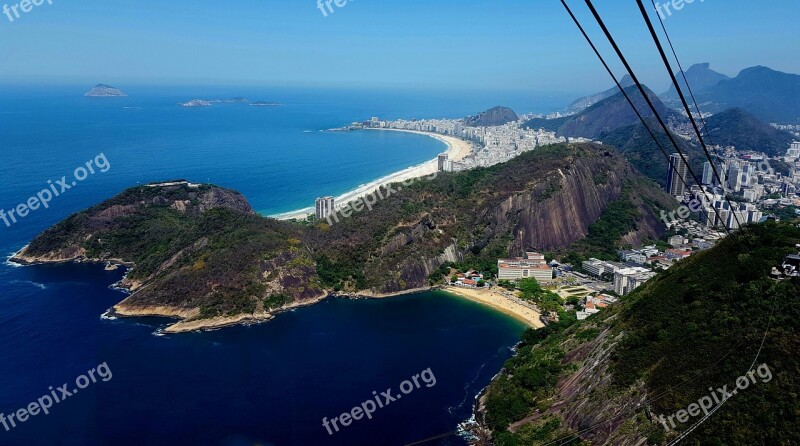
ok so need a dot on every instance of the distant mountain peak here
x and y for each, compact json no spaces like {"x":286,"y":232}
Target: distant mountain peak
{"x":587,"y":101}
{"x":700,"y":76}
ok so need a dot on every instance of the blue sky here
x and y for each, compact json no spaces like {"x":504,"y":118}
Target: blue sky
{"x":457,"y":44}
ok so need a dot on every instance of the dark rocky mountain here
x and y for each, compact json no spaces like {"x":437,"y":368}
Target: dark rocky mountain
{"x":551,"y":125}
{"x":771,"y":96}
{"x":587,"y":101}
{"x":701,"y":78}
{"x":199,"y":253}
{"x":738,"y":128}
{"x":638,"y":147}
{"x":613,"y":113}
{"x":493,"y":117}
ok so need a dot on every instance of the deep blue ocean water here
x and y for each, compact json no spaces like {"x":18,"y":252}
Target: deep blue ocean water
{"x":268,"y":384}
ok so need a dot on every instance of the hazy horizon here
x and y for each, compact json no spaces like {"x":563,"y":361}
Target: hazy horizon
{"x":449,"y":45}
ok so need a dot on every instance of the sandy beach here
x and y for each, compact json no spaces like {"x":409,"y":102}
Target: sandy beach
{"x":500,"y":302}
{"x":457,"y":150}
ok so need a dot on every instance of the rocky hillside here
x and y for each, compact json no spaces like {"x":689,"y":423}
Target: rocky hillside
{"x":492,"y":117}
{"x":699,"y":325}
{"x":613,"y":113}
{"x":585,"y":102}
{"x":199,"y":253}
{"x":546,"y":199}
{"x":771,"y":96}
{"x":738,"y":128}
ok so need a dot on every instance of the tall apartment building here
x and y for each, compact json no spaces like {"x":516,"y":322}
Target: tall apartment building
{"x":628,"y":279}
{"x":676,"y":175}
{"x":708,"y":174}
{"x":324,"y":207}
{"x":442,"y":165}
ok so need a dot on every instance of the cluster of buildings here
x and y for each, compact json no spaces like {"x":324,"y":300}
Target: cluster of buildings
{"x":494,"y":145}
{"x":793,"y":129}
{"x":593,"y":304}
{"x":470,"y":279}
{"x":532,"y":265}
{"x":626,"y":277}
{"x":747,"y":177}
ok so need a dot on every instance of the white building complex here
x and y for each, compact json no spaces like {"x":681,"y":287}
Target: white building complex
{"x":596,"y":268}
{"x":532,"y":265}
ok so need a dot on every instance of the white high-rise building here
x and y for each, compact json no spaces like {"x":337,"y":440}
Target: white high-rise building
{"x":734,"y":176}
{"x":325,"y":207}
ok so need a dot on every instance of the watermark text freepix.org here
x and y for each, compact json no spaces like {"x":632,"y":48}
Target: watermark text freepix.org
{"x":326,"y":6}
{"x":665,"y":9}
{"x":25,"y":6}
{"x":372,"y":198}
{"x":379,"y":401}
{"x":54,"y":189}
{"x":716,"y":397}
{"x":57,"y":395}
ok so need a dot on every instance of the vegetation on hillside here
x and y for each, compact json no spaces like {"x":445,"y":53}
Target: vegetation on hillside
{"x":699,"y":324}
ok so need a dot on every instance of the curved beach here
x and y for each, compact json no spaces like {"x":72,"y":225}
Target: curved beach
{"x":457,"y":150}
{"x":499,"y":302}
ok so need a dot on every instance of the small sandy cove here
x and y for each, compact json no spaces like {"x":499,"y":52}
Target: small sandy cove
{"x":500,"y":302}
{"x":457,"y":150}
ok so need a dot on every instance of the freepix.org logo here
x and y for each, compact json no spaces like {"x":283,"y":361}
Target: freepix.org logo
{"x":26,"y":6}
{"x":326,"y":6}
{"x":665,"y":9}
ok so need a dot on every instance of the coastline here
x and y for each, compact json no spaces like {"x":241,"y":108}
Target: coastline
{"x":187,"y":318}
{"x":457,"y":150}
{"x":499,"y":302}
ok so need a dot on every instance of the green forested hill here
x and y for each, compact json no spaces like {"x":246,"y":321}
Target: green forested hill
{"x":698,"y":325}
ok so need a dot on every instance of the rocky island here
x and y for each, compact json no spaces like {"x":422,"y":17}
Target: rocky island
{"x":105,"y":91}
{"x":195,"y":103}
{"x":199,"y":253}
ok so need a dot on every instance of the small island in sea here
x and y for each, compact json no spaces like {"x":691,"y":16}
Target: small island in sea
{"x":105,"y":91}
{"x":195,"y":103}
{"x":236,"y":100}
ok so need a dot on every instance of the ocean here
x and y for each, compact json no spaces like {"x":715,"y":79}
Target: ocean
{"x":267,"y":384}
